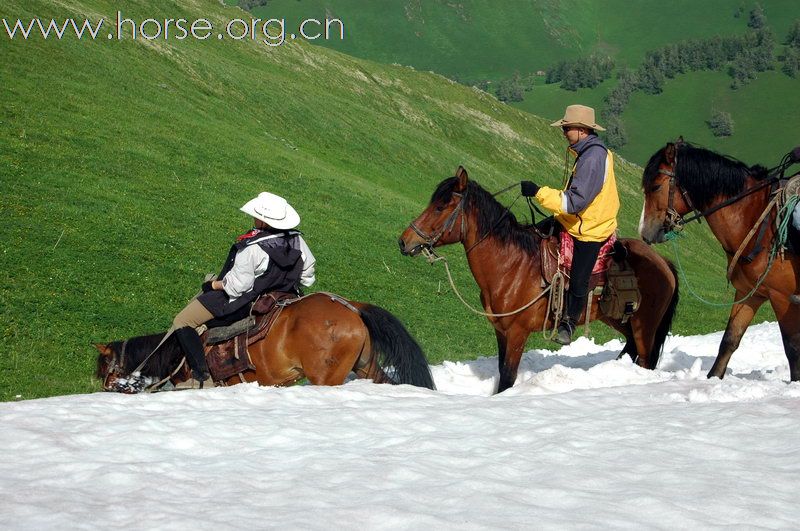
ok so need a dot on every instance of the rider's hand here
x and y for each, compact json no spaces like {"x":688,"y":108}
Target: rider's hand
{"x":207,"y":286}
{"x":529,"y":188}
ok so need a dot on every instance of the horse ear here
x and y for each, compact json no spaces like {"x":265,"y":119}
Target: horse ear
{"x":463,"y":178}
{"x":669,"y":152}
{"x":103,"y":348}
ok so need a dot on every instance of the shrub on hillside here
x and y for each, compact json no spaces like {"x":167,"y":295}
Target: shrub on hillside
{"x":248,"y":5}
{"x":793,"y":37}
{"x":757,"y":18}
{"x":721,"y":124}
{"x":791,"y":62}
{"x":615,"y":135}
{"x":511,"y":89}
{"x":585,"y":72}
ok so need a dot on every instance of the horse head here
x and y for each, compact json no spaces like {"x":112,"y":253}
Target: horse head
{"x":665,"y":203}
{"x":443,"y":221}
{"x":118,"y":361}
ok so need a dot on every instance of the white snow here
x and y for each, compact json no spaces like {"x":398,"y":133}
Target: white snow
{"x":582,"y":441}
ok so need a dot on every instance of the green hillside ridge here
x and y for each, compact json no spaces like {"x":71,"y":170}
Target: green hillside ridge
{"x":474,"y":40}
{"x":479,"y":39}
{"x":124,"y":164}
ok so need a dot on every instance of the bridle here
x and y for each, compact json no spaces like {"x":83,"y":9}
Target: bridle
{"x":113,"y":368}
{"x":430,"y":240}
{"x":675,"y":222}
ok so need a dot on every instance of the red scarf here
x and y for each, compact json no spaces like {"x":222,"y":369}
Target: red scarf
{"x":248,"y":235}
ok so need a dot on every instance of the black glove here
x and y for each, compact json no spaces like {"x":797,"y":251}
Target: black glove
{"x":529,"y":188}
{"x":206,"y":287}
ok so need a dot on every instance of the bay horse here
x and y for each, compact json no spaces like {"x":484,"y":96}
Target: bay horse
{"x":505,"y":259}
{"x":732,"y":196}
{"x":321,"y":337}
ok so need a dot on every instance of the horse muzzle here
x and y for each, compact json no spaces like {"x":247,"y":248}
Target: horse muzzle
{"x":413,"y":250}
{"x":652,"y":232}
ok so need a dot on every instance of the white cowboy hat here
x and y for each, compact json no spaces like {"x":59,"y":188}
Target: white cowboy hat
{"x":273,"y":210}
{"x":578,"y":115}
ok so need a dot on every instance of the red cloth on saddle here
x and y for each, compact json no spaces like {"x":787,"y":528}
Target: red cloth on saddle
{"x":568,"y":246}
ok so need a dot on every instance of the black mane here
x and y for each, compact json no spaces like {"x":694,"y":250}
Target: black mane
{"x":704,"y":174}
{"x":491,"y":215}
{"x":160,"y":364}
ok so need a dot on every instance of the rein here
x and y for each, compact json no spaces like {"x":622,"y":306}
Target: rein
{"x":674,"y":222}
{"x":432,"y":257}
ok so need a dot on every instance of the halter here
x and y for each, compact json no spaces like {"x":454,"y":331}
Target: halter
{"x":674,"y":222}
{"x":430,"y":240}
{"x":113,"y":368}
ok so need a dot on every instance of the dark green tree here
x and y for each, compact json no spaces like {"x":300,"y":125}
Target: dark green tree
{"x":793,"y":37}
{"x":791,"y":61}
{"x":615,"y":135}
{"x":721,"y":124}
{"x":757,"y":17}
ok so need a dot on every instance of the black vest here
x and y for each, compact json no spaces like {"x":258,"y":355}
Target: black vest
{"x":282,"y":274}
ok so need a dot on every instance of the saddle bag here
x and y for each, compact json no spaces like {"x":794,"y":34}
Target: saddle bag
{"x":621,"y":296}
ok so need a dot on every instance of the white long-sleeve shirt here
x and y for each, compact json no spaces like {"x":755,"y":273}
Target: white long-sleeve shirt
{"x":252,"y":261}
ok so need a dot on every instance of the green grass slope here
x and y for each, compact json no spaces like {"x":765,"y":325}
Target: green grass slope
{"x":124,"y":163}
{"x":490,"y":40}
{"x":480,"y":39}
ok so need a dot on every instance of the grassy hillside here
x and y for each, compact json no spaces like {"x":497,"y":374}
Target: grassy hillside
{"x":491,"y":40}
{"x":124,"y":164}
{"x":475,"y":38}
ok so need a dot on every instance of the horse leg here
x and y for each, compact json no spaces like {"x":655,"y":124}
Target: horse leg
{"x":788,"y":316}
{"x":625,"y":329}
{"x":501,"y":349}
{"x":740,"y":318}
{"x":515,"y":342}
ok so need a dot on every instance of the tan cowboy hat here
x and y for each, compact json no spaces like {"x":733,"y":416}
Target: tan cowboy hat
{"x":273,"y":210}
{"x":578,"y":115}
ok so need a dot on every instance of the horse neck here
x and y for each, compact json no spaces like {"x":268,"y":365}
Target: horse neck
{"x":731,"y":224}
{"x":498,"y":267}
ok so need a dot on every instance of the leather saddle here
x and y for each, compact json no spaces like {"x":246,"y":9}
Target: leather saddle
{"x":226,"y":346}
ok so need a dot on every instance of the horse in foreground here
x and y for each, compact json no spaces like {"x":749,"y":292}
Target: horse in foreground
{"x":321,"y":337}
{"x":506,"y":260}
{"x":740,"y":204}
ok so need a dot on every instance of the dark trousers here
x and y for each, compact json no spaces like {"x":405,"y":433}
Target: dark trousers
{"x":583,"y":259}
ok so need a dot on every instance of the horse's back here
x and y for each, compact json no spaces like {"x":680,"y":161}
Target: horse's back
{"x":319,"y":320}
{"x":647,"y":262}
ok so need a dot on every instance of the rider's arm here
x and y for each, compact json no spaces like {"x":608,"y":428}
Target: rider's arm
{"x":590,"y":175}
{"x":249,"y":263}
{"x":309,"y":264}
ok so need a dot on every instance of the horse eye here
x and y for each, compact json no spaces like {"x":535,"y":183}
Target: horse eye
{"x":656,"y":188}
{"x":439,"y":208}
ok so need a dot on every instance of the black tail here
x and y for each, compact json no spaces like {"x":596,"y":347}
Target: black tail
{"x":666,"y":323}
{"x":399,"y":355}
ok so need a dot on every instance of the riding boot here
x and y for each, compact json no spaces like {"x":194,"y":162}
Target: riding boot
{"x":569,"y":322}
{"x":195,"y":354}
{"x":565,"y":330}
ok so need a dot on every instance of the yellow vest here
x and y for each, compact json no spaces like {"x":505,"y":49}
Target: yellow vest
{"x":598,"y":220}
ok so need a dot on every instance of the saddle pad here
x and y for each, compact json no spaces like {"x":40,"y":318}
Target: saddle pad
{"x":567,"y":247}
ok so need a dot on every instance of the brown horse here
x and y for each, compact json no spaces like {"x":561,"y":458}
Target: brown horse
{"x":505,"y":260}
{"x":321,"y":337}
{"x":681,"y":178}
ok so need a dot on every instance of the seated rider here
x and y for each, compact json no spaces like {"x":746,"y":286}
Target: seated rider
{"x":586,"y":208}
{"x":270,"y":257}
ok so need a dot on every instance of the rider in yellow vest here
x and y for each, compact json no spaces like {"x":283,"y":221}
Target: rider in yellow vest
{"x":586,"y":208}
